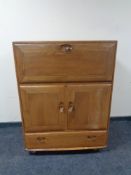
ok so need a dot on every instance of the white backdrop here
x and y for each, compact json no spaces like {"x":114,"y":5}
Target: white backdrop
{"x":64,"y":20}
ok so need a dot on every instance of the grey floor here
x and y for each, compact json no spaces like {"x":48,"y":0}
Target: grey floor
{"x":115,"y":160}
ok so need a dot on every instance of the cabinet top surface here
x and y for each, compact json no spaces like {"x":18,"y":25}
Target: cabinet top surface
{"x":65,"y":41}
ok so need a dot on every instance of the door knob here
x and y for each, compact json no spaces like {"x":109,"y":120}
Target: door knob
{"x":71,"y":107}
{"x":61,"y":107}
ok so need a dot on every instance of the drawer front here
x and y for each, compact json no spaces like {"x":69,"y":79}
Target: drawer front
{"x":66,"y":140}
{"x":65,"y":61}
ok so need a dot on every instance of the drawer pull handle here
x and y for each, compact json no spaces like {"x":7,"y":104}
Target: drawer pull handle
{"x":91,"y":138}
{"x":61,"y":107}
{"x":41,"y":139}
{"x":71,"y":107}
{"x":67,"y":48}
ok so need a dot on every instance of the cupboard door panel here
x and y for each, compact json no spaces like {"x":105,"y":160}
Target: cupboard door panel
{"x":88,"y":106}
{"x":43,"y":107}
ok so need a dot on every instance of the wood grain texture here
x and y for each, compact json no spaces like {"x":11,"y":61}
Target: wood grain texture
{"x":49,"y":62}
{"x":65,"y":90}
{"x":63,"y":140}
{"x":40,"y":106}
{"x":91,"y":105}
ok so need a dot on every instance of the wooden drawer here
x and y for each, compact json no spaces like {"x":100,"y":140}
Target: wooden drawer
{"x":64,"y":61}
{"x":66,"y":140}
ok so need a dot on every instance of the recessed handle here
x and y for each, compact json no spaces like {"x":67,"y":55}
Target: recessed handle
{"x":71,"y":107}
{"x":61,"y":107}
{"x":41,"y":139}
{"x":91,"y":137}
{"x":67,"y":48}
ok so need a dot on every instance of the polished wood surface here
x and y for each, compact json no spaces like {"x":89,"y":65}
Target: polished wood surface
{"x":42,"y":106}
{"x":90,"y":106}
{"x":49,"y":107}
{"x":65,"y":90}
{"x":52,"y":62}
{"x":63,"y":140}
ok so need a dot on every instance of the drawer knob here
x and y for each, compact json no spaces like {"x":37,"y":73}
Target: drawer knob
{"x":66,"y":48}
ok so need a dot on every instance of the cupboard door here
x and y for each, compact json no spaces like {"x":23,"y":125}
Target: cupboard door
{"x":88,"y":106}
{"x":43,"y":107}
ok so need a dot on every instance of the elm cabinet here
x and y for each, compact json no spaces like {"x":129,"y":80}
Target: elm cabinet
{"x":65,"y":91}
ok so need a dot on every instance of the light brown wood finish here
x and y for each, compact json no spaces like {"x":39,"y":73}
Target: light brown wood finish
{"x":65,"y":90}
{"x":49,"y":62}
{"x":65,"y":140}
{"x":46,"y":109}
{"x":90,"y":106}
{"x":42,"y":105}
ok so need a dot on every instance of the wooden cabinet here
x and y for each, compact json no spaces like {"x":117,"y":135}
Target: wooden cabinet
{"x":65,"y":91}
